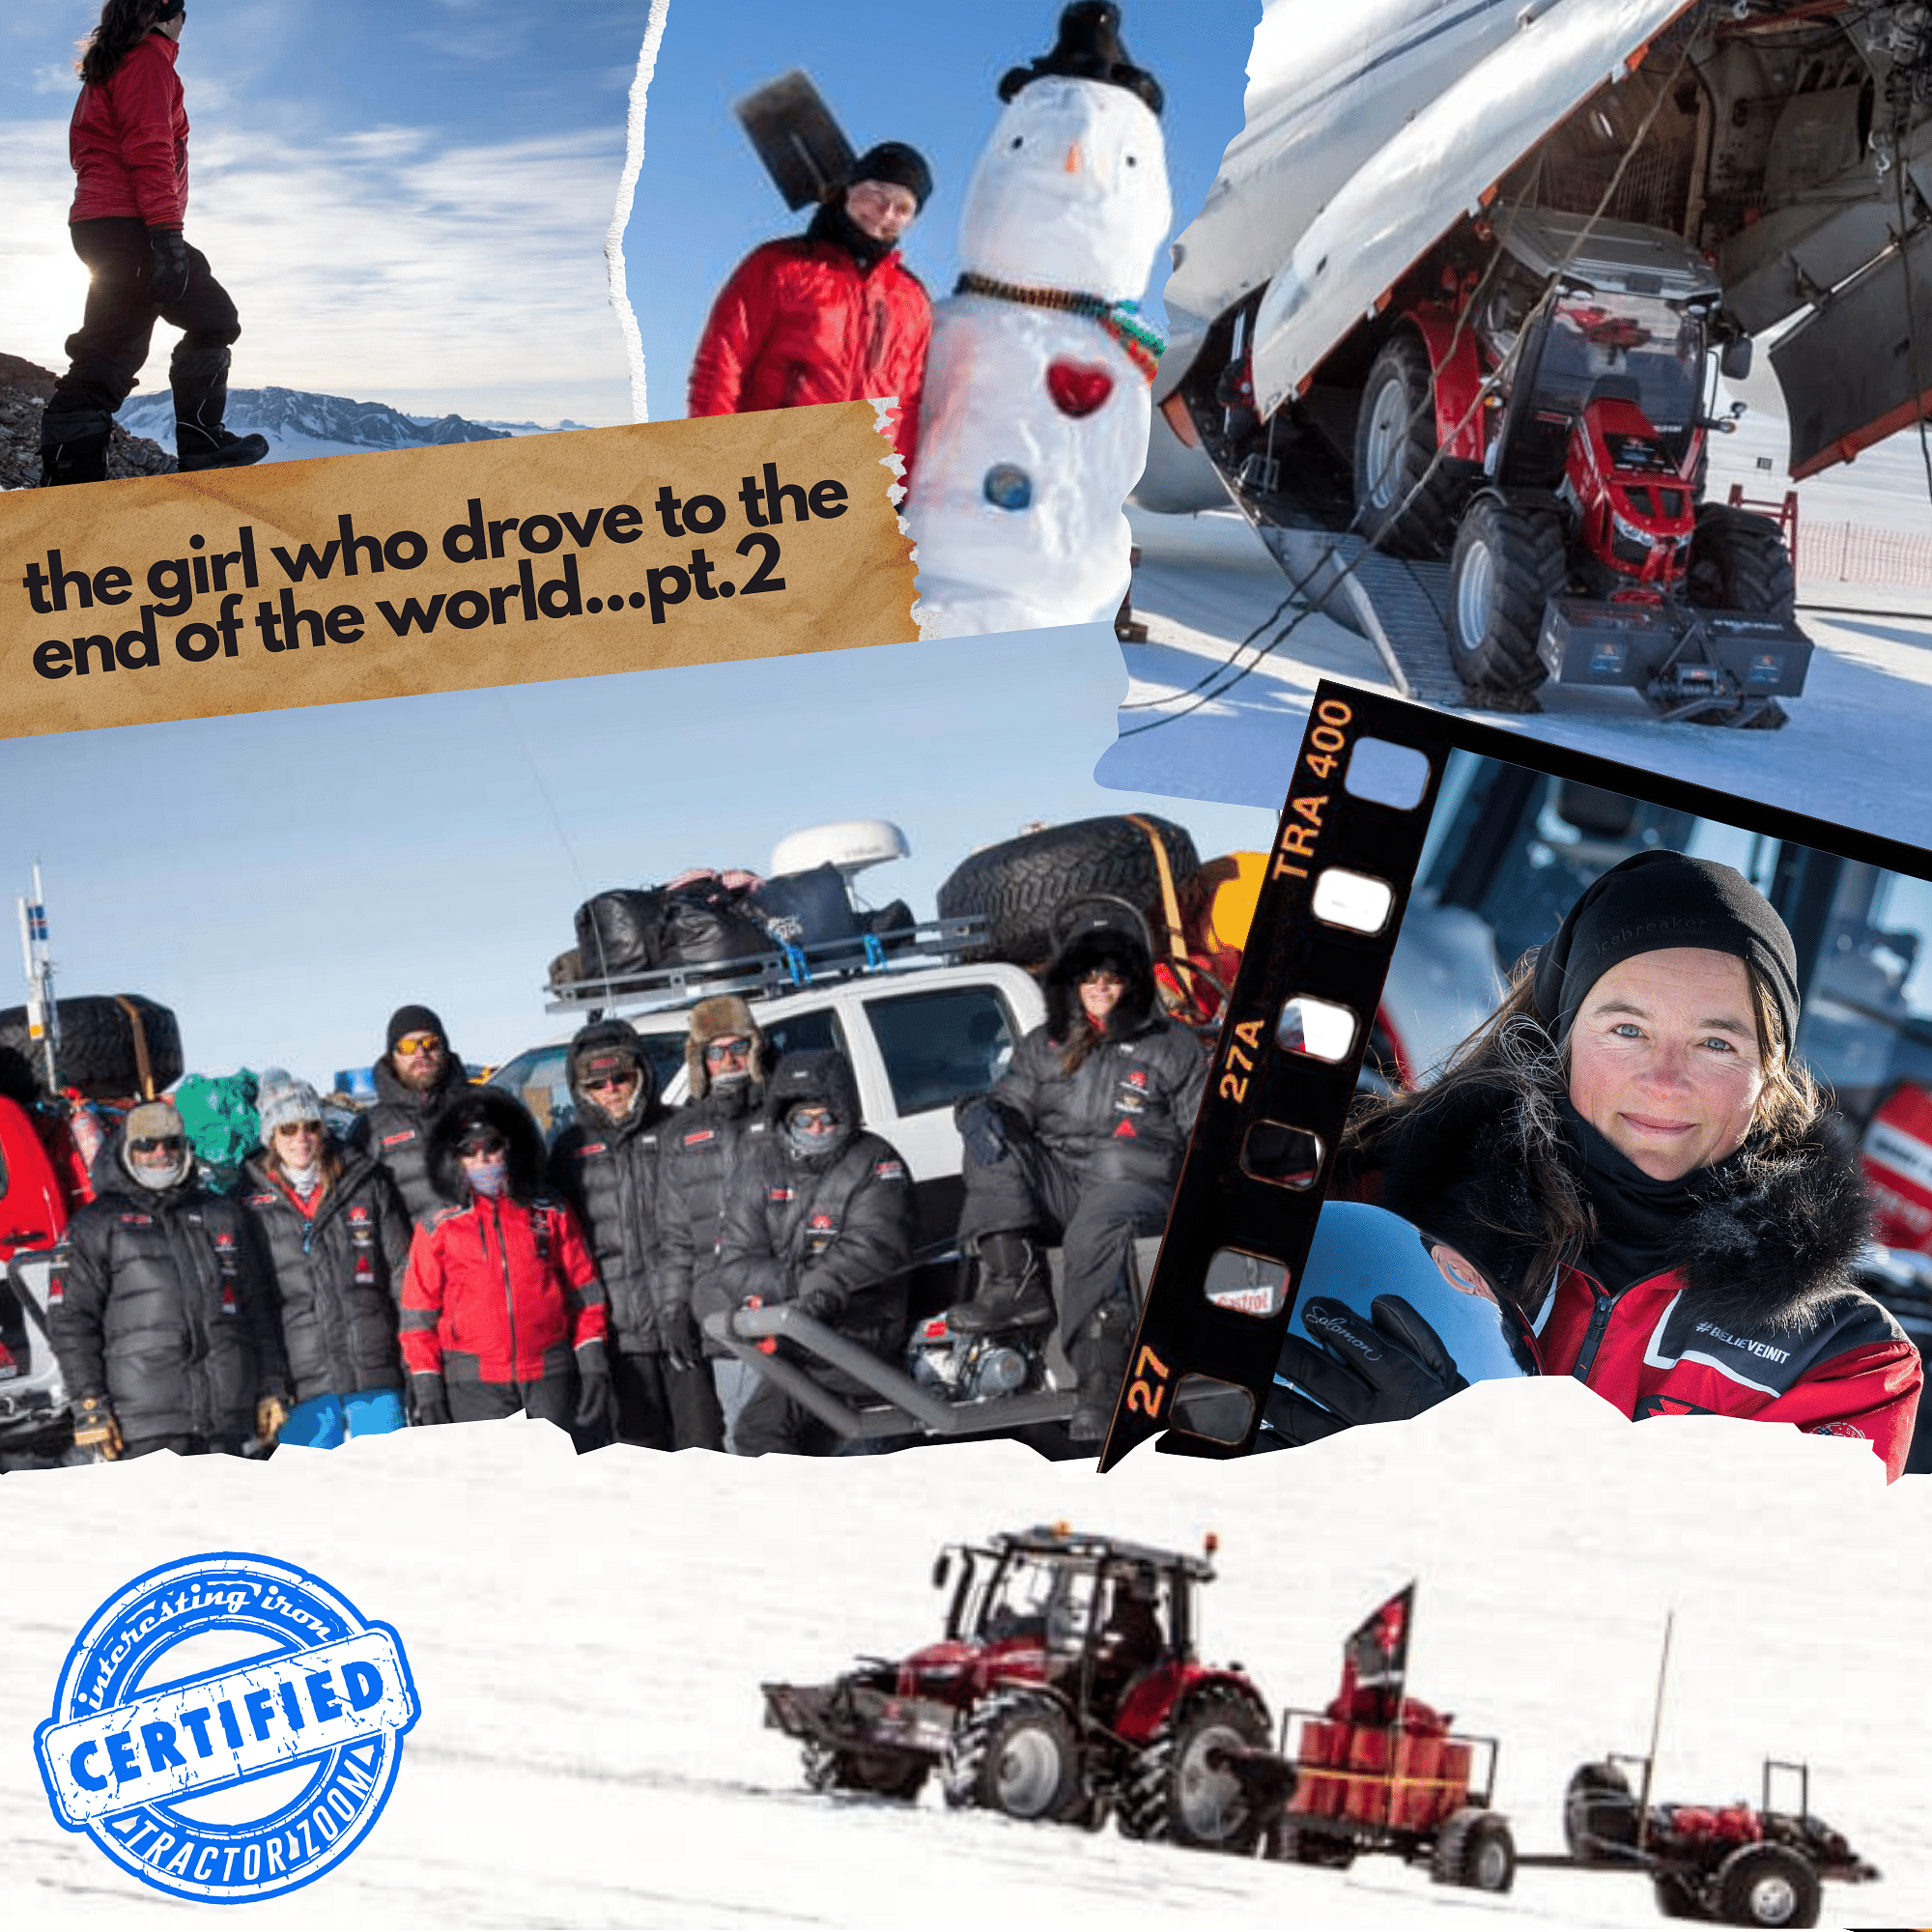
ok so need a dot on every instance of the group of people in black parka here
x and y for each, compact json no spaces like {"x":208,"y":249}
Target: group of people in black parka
{"x":441,"y":1264}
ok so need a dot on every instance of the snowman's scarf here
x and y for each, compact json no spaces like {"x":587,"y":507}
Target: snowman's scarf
{"x":1141,"y":343}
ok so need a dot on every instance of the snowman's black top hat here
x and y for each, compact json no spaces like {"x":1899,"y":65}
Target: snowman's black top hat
{"x":1089,"y":48}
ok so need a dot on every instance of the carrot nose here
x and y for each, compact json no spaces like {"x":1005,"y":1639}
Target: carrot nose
{"x":1073,"y":158}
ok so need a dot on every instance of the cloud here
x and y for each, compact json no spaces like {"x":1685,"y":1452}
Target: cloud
{"x":387,"y":263}
{"x":56,"y":77}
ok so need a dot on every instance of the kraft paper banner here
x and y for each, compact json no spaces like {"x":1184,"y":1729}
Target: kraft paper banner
{"x":446,"y":569}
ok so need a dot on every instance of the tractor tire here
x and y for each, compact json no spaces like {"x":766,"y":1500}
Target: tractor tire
{"x":97,"y":1045}
{"x":1598,"y":1808}
{"x":1767,"y":1885}
{"x":1024,"y":886}
{"x":1017,"y":1754}
{"x":1507,"y":564}
{"x":1679,"y":1896}
{"x":1173,"y":1793}
{"x":883,"y":1774}
{"x":1474,"y":1848}
{"x":1395,"y":445}
{"x":1739,"y":562}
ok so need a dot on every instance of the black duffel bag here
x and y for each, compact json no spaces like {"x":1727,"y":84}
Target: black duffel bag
{"x":707,"y":924}
{"x":621,"y":931}
{"x":806,"y":908}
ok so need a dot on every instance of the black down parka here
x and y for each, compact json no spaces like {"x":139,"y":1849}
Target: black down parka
{"x":337,"y":1274}
{"x":157,"y":1302}
{"x":395,"y":1129}
{"x":700,"y":1151}
{"x":609,"y":1173}
{"x":832,"y":1231}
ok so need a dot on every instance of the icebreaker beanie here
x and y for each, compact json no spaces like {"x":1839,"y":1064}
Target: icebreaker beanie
{"x":1649,"y":903}
{"x":406,"y":1020}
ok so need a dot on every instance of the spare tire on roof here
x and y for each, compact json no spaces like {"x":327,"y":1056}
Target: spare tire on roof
{"x":1022,"y":886}
{"x":99,"y":1050}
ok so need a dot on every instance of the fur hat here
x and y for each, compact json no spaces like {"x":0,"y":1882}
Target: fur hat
{"x":155,"y":1121}
{"x":723,"y":1017}
{"x":282,"y":1100}
{"x":486,"y":1107}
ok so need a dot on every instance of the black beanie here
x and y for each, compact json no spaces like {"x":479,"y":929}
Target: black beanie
{"x":895,"y":162}
{"x":406,"y":1020}
{"x":1088,"y":47}
{"x":1653,"y":902}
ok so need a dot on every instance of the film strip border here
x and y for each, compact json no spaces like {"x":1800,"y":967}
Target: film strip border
{"x":1291,"y":1049}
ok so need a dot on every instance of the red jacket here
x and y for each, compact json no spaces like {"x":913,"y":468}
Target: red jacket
{"x":1844,"y":1366}
{"x":798,"y":322}
{"x":494,"y":1288}
{"x":129,"y":141}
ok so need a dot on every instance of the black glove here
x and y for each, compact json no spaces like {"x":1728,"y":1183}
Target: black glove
{"x":1386,"y":1370}
{"x":167,"y":266}
{"x":822,"y":1304}
{"x":597,"y":1401}
{"x":982,"y":1127}
{"x":683,"y":1342}
{"x":429,"y":1405}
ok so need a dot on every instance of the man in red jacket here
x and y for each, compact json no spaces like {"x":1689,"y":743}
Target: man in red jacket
{"x":503,"y":1307}
{"x":128,"y":145}
{"x":830,"y":316}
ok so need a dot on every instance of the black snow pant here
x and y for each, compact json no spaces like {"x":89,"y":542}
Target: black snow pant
{"x":662,"y":1407}
{"x":106,"y":351}
{"x":551,"y":1398}
{"x":1095,"y":1215}
{"x":771,"y":1424}
{"x":181,"y":1445}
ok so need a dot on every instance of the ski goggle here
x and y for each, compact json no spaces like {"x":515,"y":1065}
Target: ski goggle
{"x":160,"y":1144}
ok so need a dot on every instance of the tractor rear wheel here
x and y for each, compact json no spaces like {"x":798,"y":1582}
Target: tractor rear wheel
{"x":1507,"y":564}
{"x":1395,"y":445}
{"x":1739,"y":562}
{"x":884,"y":1773}
{"x":1475,"y":1848}
{"x":1175,"y":1790}
{"x":1016,"y":1754}
{"x":1767,"y":1885}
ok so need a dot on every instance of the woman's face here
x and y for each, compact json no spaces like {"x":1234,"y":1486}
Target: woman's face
{"x":1664,"y":1060}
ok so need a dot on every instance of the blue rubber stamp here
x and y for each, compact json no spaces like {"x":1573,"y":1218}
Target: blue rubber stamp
{"x":227,"y":1727}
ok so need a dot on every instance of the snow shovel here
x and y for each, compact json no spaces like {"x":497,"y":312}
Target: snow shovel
{"x":803,"y":147}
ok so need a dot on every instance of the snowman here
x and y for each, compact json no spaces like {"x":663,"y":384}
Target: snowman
{"x":1036,"y":405}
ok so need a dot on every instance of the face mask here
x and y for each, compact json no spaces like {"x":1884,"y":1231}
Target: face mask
{"x":723,"y":1083}
{"x":487,"y":1178}
{"x":157,"y":1178}
{"x":807,"y":1141}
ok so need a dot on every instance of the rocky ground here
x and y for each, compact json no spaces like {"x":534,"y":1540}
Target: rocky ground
{"x":24,"y":389}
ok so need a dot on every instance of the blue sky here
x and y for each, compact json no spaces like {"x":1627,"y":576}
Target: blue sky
{"x":410,"y":202}
{"x":284,"y":880}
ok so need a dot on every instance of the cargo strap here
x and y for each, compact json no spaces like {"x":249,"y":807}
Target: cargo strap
{"x":1170,"y":906}
{"x":142,"y":1064}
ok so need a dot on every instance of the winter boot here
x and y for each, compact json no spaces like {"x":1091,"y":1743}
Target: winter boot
{"x":1011,"y":1292}
{"x":1098,"y":1355}
{"x":74,"y":444}
{"x":216,"y":448}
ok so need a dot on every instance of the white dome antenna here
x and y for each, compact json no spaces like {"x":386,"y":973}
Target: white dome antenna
{"x":851,"y":844}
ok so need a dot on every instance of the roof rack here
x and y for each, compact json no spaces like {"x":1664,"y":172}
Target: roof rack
{"x":786,"y":969}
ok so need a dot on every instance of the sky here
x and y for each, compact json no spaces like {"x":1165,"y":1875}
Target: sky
{"x":285,"y":879}
{"x":410,"y":203}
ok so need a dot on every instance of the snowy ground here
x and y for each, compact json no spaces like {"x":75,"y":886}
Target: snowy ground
{"x":1854,"y":751}
{"x":587,"y":1638}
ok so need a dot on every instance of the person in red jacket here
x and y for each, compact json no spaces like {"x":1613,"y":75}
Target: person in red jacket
{"x":128,"y":145}
{"x":831,"y":316}
{"x":503,"y":1308}
{"x":1628,"y":1156}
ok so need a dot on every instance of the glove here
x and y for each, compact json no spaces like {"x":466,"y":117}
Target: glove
{"x":96,"y":1432}
{"x":822,"y":1304}
{"x":428,"y":1404}
{"x":167,"y":266}
{"x":1384,"y":1370}
{"x":597,"y":1401}
{"x":982,"y":1127}
{"x":270,"y":1413}
{"x":683,"y":1344}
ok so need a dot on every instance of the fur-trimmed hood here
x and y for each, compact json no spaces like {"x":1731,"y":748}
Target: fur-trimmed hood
{"x":1101,"y":938}
{"x":486,"y":1106}
{"x":1776,"y":1228}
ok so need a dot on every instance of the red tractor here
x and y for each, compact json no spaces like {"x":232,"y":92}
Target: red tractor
{"x":1066,"y":1687}
{"x":1544,"y":418}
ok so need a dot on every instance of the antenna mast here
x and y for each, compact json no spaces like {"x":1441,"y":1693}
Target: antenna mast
{"x":36,"y":961}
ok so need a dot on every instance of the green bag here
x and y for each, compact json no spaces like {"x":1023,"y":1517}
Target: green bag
{"x":220,"y":1119}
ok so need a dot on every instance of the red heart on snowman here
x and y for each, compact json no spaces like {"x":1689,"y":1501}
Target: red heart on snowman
{"x":1077,"y":389}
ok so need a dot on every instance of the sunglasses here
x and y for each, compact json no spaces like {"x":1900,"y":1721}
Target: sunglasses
{"x":722,"y":1050}
{"x":484,"y":1150}
{"x":160,"y":1144}
{"x":605,"y":1082}
{"x":1103,"y":976}
{"x":291,"y":1128}
{"x":813,"y":1119}
{"x":414,"y":1045}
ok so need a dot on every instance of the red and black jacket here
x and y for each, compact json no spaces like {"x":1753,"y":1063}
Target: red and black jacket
{"x":499,"y":1288}
{"x":129,"y":141}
